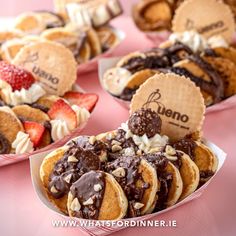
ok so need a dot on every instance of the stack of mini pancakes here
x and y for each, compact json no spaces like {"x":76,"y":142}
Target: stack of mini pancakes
{"x":212,"y":69}
{"x":111,"y":176}
{"x":30,"y":27}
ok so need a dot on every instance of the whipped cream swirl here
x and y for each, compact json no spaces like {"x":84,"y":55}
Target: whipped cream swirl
{"x":22,"y":143}
{"x":59,"y":129}
{"x":82,"y":115}
{"x":191,"y":39}
{"x":147,"y":145}
{"x":22,"y":96}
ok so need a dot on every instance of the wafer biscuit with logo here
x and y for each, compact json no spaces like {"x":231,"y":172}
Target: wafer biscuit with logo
{"x":170,"y":96}
{"x":98,"y":191}
{"x":51,"y":63}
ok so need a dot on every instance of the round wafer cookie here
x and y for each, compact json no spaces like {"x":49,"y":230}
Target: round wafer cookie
{"x":51,"y":63}
{"x":176,"y":99}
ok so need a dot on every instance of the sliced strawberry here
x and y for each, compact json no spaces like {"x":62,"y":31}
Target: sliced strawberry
{"x":60,"y":110}
{"x":17,"y":77}
{"x":86,"y":100}
{"x":35,"y":131}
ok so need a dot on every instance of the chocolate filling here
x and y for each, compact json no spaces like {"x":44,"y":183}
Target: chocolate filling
{"x":40,"y":107}
{"x":5,"y":145}
{"x":128,"y":93}
{"x":86,"y":161}
{"x":129,"y":182}
{"x":83,"y":189}
{"x":214,"y":87}
{"x":160,"y":162}
{"x":187,"y":146}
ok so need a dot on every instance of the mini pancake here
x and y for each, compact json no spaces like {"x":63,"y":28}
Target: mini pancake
{"x":51,"y":19}
{"x":46,"y":169}
{"x":107,"y":37}
{"x":140,"y":77}
{"x":205,"y":160}
{"x":176,"y":187}
{"x":227,"y":71}
{"x":204,"y":76}
{"x":28,"y":113}
{"x":10,"y":48}
{"x":138,"y":173}
{"x":125,"y":59}
{"x":64,"y":166}
{"x":228,"y":53}
{"x":84,"y":53}
{"x":47,"y":100}
{"x":171,"y":184}
{"x":10,"y":125}
{"x":190,"y":176}
{"x":153,"y":15}
{"x":30,"y":23}
{"x":61,"y":35}
{"x":10,"y":34}
{"x":111,"y":203}
{"x":94,"y":42}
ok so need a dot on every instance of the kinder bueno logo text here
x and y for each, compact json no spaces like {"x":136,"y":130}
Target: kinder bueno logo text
{"x":153,"y":102}
{"x":190,"y":25}
{"x":43,"y":74}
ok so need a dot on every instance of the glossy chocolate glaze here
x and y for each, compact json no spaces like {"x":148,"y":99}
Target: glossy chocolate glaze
{"x":160,"y":162}
{"x":83,"y":189}
{"x":129,"y":182}
{"x":128,"y":93}
{"x":86,"y":161}
{"x":186,"y":145}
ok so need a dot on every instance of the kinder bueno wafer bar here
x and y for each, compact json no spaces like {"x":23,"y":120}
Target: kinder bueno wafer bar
{"x":142,"y":167}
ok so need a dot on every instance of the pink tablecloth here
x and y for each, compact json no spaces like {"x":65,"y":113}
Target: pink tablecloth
{"x":213,"y":214}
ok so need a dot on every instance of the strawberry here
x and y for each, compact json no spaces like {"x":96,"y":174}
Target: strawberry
{"x":35,"y":131}
{"x":17,"y":77}
{"x":86,"y":100}
{"x":60,"y":110}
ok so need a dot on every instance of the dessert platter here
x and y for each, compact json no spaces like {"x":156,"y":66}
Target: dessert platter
{"x":41,"y":106}
{"x":87,"y":40}
{"x":151,"y":164}
{"x":206,"y":58}
{"x":155,"y":17}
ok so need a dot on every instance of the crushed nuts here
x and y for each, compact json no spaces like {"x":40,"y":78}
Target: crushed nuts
{"x":119,"y":172}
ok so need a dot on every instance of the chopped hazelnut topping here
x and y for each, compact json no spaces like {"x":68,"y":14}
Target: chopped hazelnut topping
{"x":119,"y":172}
{"x":88,"y":202}
{"x":75,"y":205}
{"x":97,"y":187}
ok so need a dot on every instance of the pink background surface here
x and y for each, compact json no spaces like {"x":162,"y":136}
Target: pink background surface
{"x":214,"y":213}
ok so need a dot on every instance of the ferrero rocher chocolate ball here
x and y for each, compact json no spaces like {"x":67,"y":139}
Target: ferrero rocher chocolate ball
{"x":145,"y":121}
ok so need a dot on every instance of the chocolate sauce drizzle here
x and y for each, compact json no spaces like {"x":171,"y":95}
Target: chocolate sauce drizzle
{"x":87,"y":160}
{"x":83,"y":189}
{"x":128,"y":183}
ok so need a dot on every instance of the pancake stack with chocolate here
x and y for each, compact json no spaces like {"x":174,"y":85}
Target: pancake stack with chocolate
{"x":210,"y":68}
{"x":129,"y":172}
